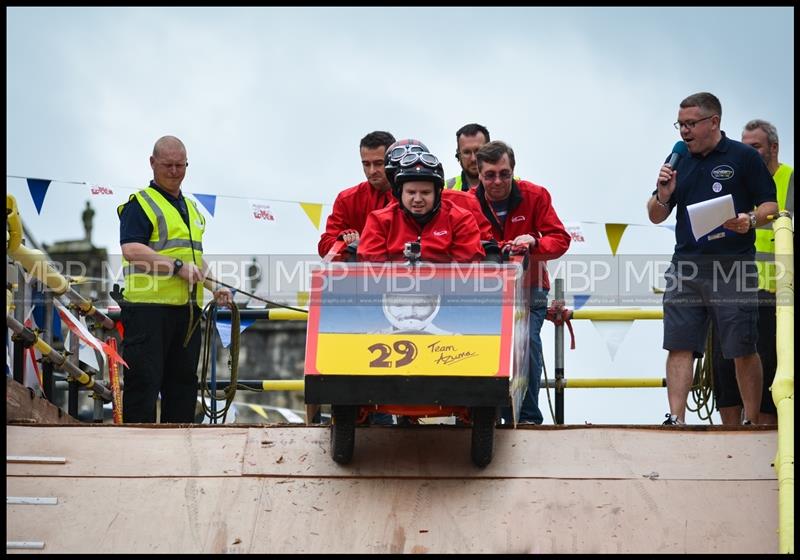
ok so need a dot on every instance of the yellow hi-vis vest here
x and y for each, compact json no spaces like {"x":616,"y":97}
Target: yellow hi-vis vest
{"x":454,"y":183}
{"x":172,"y":239}
{"x":765,"y":236}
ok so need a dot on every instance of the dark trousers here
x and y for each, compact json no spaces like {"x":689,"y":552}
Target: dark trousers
{"x":726,"y":388}
{"x":159,"y":363}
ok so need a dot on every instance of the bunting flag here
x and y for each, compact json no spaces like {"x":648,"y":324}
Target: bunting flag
{"x":670,"y":227}
{"x":261,"y":212}
{"x":224,"y":329}
{"x":209,"y":201}
{"x":613,"y":333}
{"x":83,"y":333}
{"x":313,"y":210}
{"x":38,"y":189}
{"x":614,"y":233}
{"x":579,"y":300}
{"x":302,"y":298}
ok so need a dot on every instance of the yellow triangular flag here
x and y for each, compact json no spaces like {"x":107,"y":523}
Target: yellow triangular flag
{"x":313,"y":211}
{"x":614,"y":233}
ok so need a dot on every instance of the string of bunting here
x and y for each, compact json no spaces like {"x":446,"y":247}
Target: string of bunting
{"x":38,"y":190}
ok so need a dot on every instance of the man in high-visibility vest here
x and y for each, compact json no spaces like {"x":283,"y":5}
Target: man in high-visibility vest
{"x":469,"y":139}
{"x":161,"y":236}
{"x":763,"y":136}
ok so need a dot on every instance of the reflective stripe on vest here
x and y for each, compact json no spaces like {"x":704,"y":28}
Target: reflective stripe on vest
{"x":765,"y":236}
{"x":171,"y":238}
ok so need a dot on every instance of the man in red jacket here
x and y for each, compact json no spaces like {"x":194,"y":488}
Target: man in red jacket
{"x":522,"y":214}
{"x":465,"y":200}
{"x":351,"y":207}
{"x":445,"y":231}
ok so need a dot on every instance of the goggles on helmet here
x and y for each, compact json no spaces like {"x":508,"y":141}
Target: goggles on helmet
{"x":397,"y":153}
{"x":427,"y":159}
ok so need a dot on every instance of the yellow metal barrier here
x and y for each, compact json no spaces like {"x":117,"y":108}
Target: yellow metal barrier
{"x":615,"y":383}
{"x":617,"y":314}
{"x":286,"y":315}
{"x":283,"y":385}
{"x":783,"y":386}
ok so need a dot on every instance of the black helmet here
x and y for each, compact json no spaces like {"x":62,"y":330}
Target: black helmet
{"x":396,"y":151}
{"x":418,"y":166}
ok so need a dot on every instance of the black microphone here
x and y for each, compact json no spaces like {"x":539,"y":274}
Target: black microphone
{"x":678,"y":150}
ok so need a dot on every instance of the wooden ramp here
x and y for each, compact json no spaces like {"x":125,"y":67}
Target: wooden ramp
{"x":256,"y":489}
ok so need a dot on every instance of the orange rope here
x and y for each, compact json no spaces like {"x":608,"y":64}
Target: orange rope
{"x":113,"y":375}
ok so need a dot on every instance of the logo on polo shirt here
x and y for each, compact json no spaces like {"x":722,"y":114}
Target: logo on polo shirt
{"x":440,"y":232}
{"x":722,"y":172}
{"x":517,"y":219}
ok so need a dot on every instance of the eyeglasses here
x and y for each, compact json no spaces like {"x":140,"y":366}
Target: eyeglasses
{"x":427,"y":159}
{"x":177,"y":166}
{"x":504,"y":175}
{"x":397,"y":153}
{"x":690,"y":124}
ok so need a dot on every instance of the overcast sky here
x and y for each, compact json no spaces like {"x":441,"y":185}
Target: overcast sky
{"x":272,"y":102}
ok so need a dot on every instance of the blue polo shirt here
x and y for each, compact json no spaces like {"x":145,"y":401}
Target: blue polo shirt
{"x":135,"y":226}
{"x":730,"y":168}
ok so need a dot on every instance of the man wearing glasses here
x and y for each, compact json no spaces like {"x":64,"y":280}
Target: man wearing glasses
{"x":522,"y":214}
{"x":713,"y":277}
{"x":469,"y":139}
{"x":161,"y":236}
{"x":352,"y":205}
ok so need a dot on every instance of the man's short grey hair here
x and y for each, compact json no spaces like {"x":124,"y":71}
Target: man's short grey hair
{"x":767,"y":127}
{"x":707,"y":102}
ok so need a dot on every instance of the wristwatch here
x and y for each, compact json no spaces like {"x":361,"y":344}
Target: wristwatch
{"x":176,"y":267}
{"x":753,"y":220}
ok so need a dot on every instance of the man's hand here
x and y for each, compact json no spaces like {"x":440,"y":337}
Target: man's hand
{"x":524,"y":240}
{"x":223,"y":297}
{"x":349,"y":235}
{"x":667,"y":179}
{"x":739,"y":224}
{"x":191,"y":273}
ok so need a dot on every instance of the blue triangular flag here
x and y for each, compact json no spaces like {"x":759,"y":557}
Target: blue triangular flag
{"x":224,"y":329}
{"x":670,"y":227}
{"x":579,"y":300}
{"x":38,"y":188}
{"x":207,"y":200}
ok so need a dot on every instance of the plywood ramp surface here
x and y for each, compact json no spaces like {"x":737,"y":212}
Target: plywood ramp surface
{"x":275,"y":489}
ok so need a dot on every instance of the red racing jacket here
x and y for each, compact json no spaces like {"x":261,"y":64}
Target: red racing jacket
{"x":467,"y":201}
{"x":451,"y":236}
{"x":350,"y":211}
{"x":530,"y":211}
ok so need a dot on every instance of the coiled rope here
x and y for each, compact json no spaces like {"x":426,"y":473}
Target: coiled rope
{"x":702,"y":390}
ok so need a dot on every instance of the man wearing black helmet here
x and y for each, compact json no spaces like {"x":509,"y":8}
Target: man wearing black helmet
{"x":462,"y":199}
{"x":446,"y":232}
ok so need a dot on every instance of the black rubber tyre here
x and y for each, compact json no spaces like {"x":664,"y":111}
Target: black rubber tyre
{"x":483,"y":421}
{"x":343,"y":433}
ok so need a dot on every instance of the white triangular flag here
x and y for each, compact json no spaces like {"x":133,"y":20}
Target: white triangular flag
{"x":613,"y":333}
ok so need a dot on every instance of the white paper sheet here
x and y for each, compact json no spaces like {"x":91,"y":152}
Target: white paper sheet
{"x":709,"y":214}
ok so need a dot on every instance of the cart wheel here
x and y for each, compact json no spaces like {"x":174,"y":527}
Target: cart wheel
{"x":483,"y":420}
{"x":343,"y":433}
